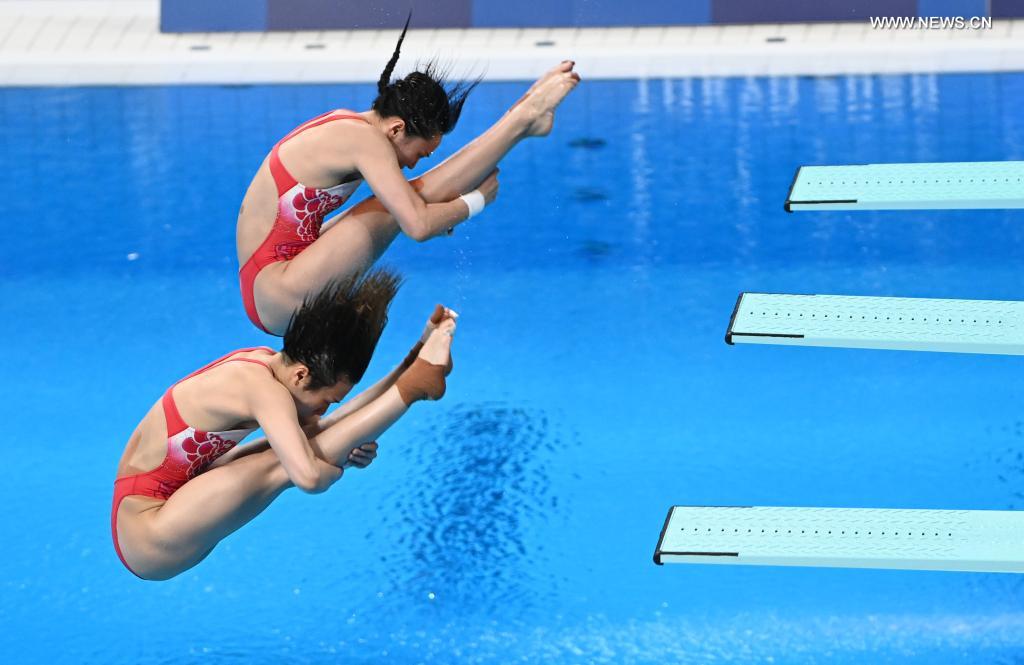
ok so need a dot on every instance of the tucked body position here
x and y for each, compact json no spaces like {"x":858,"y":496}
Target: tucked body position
{"x":313,"y":171}
{"x":183,"y":484}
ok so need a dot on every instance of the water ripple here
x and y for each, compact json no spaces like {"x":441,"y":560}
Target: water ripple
{"x":468,"y":524}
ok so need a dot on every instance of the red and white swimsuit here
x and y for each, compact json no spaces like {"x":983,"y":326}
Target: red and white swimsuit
{"x":189,"y":451}
{"x":300,"y":213}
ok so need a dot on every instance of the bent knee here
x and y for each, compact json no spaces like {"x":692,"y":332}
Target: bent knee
{"x":371,"y":220}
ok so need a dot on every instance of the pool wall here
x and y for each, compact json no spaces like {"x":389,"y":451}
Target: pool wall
{"x":258,"y":15}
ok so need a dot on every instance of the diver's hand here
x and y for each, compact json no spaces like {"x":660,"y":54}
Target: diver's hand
{"x":489,"y":187}
{"x":362,"y":456}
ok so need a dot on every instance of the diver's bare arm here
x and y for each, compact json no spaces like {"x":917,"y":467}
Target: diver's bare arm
{"x":357,"y":402}
{"x":439,"y":314}
{"x":255,"y":446}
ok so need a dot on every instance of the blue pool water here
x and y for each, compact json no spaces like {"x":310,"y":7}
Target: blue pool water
{"x":515,"y":520}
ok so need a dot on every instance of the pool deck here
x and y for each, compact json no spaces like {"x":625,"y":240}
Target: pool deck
{"x":117,"y":42}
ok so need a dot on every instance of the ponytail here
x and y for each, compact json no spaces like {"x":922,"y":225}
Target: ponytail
{"x":385,"y":78}
{"x":424,"y":100}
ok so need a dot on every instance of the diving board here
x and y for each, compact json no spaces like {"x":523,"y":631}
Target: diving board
{"x":908,"y":324}
{"x":956,"y":540}
{"x":949,"y":185}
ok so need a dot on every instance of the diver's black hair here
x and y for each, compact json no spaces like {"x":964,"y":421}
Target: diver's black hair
{"x":428,"y":104}
{"x":336,"y":330}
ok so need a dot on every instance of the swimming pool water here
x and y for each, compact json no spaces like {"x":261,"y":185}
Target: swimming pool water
{"x":515,"y":520}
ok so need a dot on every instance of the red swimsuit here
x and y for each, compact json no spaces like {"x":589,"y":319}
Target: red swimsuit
{"x":189,"y":451}
{"x":300,"y":212}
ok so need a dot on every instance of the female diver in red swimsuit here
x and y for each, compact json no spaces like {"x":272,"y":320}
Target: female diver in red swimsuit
{"x":314,"y":169}
{"x":182,"y":485}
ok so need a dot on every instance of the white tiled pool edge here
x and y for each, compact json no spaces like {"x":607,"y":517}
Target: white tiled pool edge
{"x":117,"y":42}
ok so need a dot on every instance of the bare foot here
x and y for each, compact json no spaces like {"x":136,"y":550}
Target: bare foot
{"x":437,"y":349}
{"x":424,"y":378}
{"x":440,"y":314}
{"x":537,"y":106}
{"x":562,"y":67}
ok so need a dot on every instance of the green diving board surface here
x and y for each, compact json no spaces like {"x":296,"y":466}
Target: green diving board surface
{"x":957,"y":540}
{"x":950,"y":185}
{"x":861,"y":322}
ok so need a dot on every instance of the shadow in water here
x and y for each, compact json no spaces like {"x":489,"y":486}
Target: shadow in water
{"x":595,"y":251}
{"x":587,"y":143}
{"x":590,"y":195}
{"x":472,"y":528}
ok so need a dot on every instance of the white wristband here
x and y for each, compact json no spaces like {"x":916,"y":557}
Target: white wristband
{"x":474,"y":201}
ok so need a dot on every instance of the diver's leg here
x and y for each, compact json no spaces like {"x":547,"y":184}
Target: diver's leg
{"x":349,"y":245}
{"x":532,"y":115}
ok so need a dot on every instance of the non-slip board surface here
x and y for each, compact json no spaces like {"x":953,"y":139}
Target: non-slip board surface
{"x":949,"y":185}
{"x":956,"y":540}
{"x":911,"y":324}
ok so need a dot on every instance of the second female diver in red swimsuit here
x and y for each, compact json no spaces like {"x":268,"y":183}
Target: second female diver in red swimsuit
{"x":182,"y":484}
